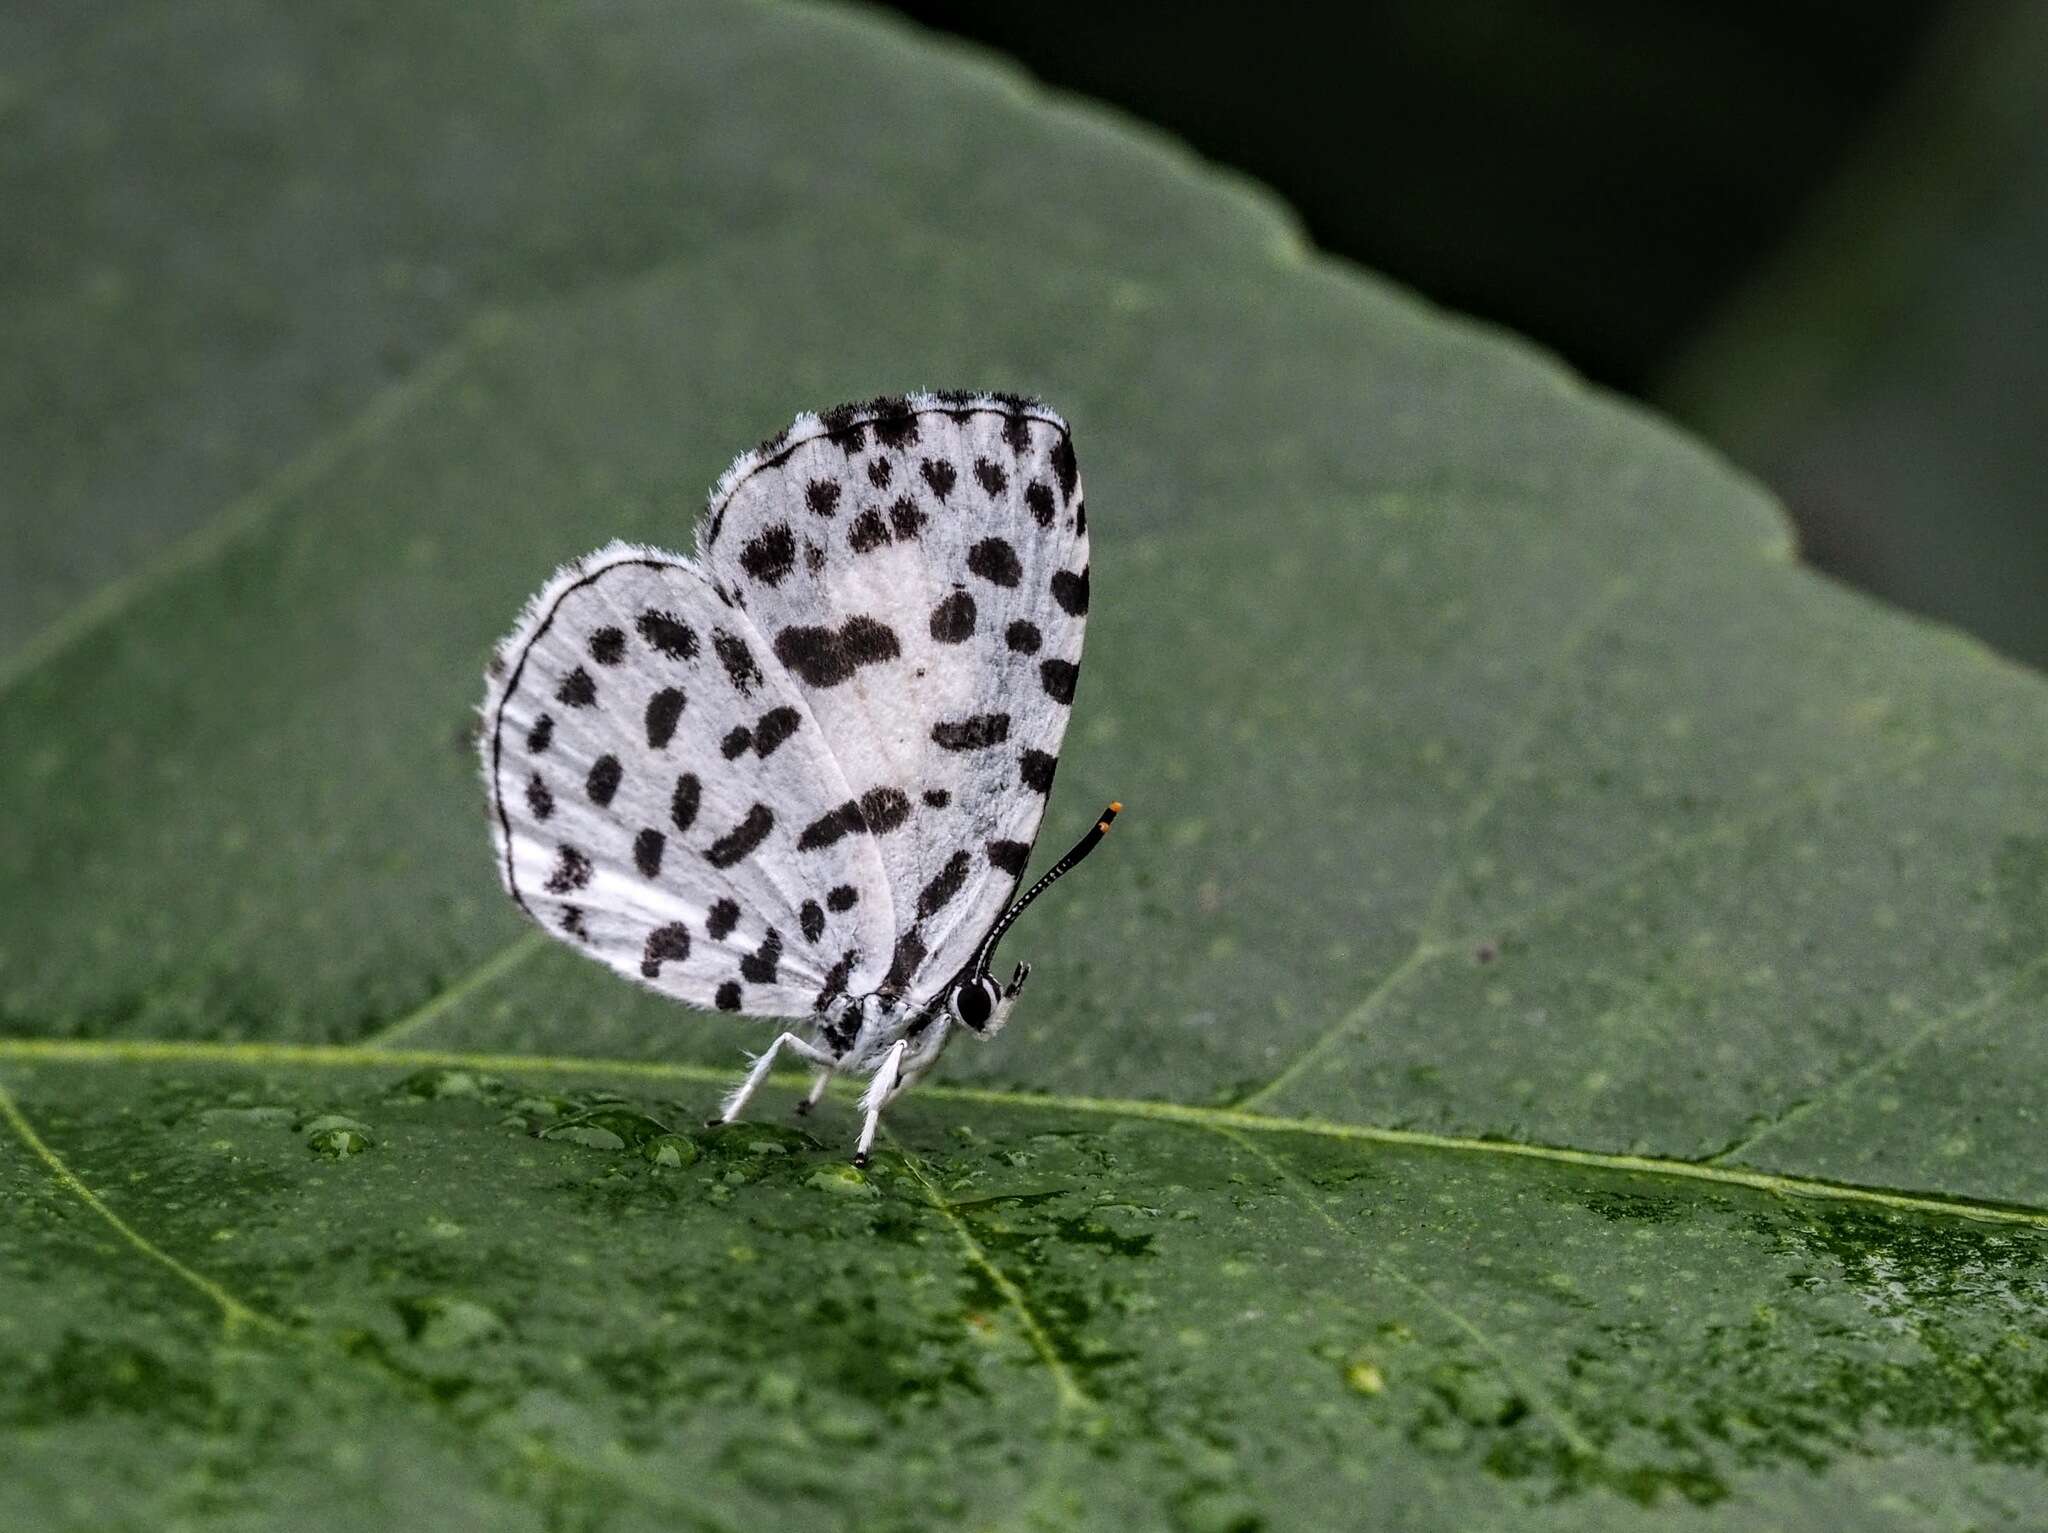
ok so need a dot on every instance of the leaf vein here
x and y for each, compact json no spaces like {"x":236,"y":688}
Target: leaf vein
{"x":1071,"y":1395}
{"x":1934,"y":1028}
{"x":335,"y":1056}
{"x":234,"y":1313}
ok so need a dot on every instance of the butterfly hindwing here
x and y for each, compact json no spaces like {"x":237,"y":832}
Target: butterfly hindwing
{"x":919,"y":568}
{"x":664,"y":800}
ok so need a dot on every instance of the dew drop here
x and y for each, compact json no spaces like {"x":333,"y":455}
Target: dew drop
{"x":669,"y":1151}
{"x":440,"y":1082}
{"x":846,"y":1181}
{"x":746,"y":1152}
{"x":337,"y":1137}
{"x":610,"y":1127}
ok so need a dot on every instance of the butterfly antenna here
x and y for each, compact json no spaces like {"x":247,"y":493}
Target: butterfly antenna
{"x":1052,"y":875}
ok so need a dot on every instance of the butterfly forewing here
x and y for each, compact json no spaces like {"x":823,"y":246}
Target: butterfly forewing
{"x":656,"y":781}
{"x":919,"y":569}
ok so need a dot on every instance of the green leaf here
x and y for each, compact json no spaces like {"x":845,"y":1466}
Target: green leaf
{"x":1554,"y":1040}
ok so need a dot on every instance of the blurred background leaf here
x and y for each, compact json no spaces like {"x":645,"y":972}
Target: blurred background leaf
{"x":1811,"y":230}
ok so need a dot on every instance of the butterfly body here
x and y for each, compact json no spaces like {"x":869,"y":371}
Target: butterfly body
{"x":799,"y":774}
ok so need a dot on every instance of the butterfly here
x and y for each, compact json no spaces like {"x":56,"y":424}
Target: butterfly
{"x":799,"y":775}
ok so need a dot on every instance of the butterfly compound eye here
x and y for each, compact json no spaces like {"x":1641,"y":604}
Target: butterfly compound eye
{"x":975,"y":1003}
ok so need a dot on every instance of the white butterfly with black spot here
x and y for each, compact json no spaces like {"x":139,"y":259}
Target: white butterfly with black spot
{"x":800,"y":774}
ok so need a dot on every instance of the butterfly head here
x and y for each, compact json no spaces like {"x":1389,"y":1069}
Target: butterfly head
{"x":977,"y":1002}
{"x":974,"y":1002}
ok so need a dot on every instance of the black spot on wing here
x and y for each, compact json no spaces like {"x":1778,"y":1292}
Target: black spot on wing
{"x":682,"y":804}
{"x":742,"y":838}
{"x":1059,"y":677}
{"x":1035,"y":769}
{"x":608,"y":646}
{"x":1017,"y":432}
{"x":577,"y":689}
{"x":879,"y":810}
{"x":842,"y":897}
{"x":944,"y":884}
{"x":603,"y":782}
{"x":1010,"y":856}
{"x":1038,"y":500}
{"x":1081,"y":517}
{"x":668,"y":633}
{"x":775,"y":726}
{"x":1023,"y":637}
{"x":835,"y":986}
{"x":910,"y":951}
{"x":736,"y":742}
{"x":843,"y":431}
{"x":825,"y":657}
{"x":812,"y":919}
{"x":723,"y":917}
{"x":880,"y":473}
{"x":759,"y":967}
{"x":1064,"y":468}
{"x":869,"y":532}
{"x":992,"y":477}
{"x":814,"y":558}
{"x":663,"y":710}
{"x":647,"y":849}
{"x":728,"y":997}
{"x":905,"y":520}
{"x":972,"y":734}
{"x":741,"y":669}
{"x":895,"y":423}
{"x":542,"y":735}
{"x":937,"y":798}
{"x":1071,"y":590}
{"x":540,"y":802}
{"x":995,"y":561}
{"x":822,"y":496}
{"x":572,"y":923}
{"x":883,"y":809}
{"x":665,"y":944}
{"x":953,"y":619}
{"x":572,"y":871}
{"x":939,"y":475}
{"x":830,"y":827}
{"x":770,"y":555}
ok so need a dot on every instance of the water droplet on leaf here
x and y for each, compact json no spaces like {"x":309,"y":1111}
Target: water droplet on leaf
{"x":337,"y":1137}
{"x":444,"y":1321}
{"x":439,"y":1082}
{"x":607,"y":1128}
{"x":670,"y":1151}
{"x":847,"y":1181}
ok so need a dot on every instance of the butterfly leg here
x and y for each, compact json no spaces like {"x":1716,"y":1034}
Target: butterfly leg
{"x":816,"y":1093}
{"x":880,"y":1089}
{"x":736,"y":1101}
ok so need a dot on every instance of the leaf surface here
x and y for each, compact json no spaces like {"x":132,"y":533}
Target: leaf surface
{"x":1554,"y":1040}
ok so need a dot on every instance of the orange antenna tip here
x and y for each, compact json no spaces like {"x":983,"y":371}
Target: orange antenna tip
{"x":1115,"y":807}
